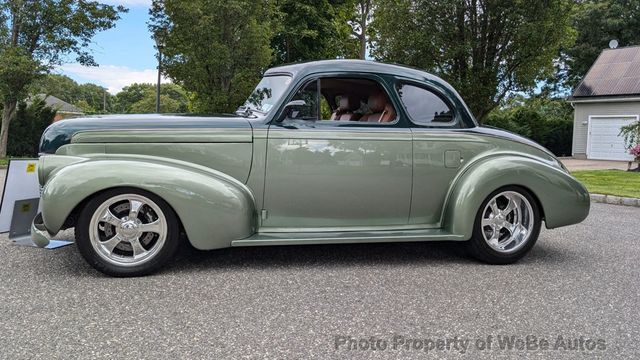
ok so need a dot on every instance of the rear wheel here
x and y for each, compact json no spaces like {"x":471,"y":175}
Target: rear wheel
{"x":127,"y":232}
{"x":506,"y":227}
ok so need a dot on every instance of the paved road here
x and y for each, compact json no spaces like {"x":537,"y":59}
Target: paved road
{"x":292,"y":302}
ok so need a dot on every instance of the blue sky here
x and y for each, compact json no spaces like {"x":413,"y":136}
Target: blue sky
{"x":125,"y":53}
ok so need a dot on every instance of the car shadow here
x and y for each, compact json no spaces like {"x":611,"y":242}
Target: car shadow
{"x":310,"y":255}
{"x":431,"y":253}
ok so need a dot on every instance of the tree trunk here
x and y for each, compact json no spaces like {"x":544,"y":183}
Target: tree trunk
{"x":363,"y":38}
{"x":364,"y":15}
{"x":8,"y":113}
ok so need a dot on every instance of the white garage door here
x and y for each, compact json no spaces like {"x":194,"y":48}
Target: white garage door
{"x":604,"y":142}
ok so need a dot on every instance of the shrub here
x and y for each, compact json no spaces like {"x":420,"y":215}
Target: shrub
{"x":27,"y":127}
{"x":504,"y":121}
{"x":546,"y":123}
{"x":559,"y":137}
{"x":631,"y":134}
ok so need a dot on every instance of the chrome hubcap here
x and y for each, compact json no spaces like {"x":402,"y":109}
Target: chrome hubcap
{"x":507,"y":222}
{"x":128,"y":230}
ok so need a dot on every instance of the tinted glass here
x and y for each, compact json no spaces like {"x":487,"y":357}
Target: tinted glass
{"x":425,"y":107}
{"x":267,"y":93}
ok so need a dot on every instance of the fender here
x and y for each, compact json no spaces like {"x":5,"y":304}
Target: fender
{"x":214,"y":208}
{"x":562,"y":199}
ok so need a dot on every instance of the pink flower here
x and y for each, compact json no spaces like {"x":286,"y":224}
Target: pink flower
{"x":635,"y":151}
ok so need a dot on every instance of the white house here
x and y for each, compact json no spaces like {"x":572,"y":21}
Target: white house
{"x":607,"y":99}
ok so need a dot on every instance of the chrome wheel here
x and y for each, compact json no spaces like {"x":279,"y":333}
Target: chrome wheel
{"x":507,"y":222}
{"x":128,"y":230}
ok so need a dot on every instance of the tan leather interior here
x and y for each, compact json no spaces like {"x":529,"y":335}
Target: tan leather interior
{"x":346,"y":108}
{"x":380,"y":109}
{"x":346,"y":95}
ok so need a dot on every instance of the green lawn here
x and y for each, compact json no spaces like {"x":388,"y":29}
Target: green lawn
{"x":5,"y":161}
{"x":610,"y":182}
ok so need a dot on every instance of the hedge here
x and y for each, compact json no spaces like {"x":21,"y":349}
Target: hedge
{"x":554,"y":133}
{"x":27,"y":128}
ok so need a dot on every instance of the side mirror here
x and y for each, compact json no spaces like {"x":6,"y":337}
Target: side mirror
{"x":292,"y":106}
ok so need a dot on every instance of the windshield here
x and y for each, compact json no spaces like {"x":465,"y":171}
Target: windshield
{"x":267,"y":93}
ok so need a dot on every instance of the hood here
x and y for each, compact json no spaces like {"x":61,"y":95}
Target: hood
{"x":60,"y":133}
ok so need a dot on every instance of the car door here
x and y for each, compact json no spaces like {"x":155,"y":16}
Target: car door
{"x":440,"y":147}
{"x":335,"y":174}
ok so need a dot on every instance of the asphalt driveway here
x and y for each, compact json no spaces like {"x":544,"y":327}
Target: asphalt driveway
{"x":584,"y":164}
{"x":581,"y":282}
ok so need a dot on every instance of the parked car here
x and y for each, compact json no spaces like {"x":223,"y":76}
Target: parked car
{"x":321,"y":153}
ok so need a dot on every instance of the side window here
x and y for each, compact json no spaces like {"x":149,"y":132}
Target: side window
{"x":354,"y":99}
{"x":309,"y":93}
{"x":348,"y":100}
{"x":425,"y":107}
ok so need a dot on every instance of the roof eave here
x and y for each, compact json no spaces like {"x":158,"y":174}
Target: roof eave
{"x":605,"y":98}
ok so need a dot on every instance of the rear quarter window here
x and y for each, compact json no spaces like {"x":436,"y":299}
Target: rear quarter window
{"x":425,"y":107}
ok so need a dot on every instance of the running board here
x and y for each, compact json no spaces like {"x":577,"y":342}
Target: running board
{"x":345,"y":237}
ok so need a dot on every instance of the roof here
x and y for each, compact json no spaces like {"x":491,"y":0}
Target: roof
{"x":362,"y":66}
{"x":616,"y":72}
{"x":58,"y":104}
{"x":301,"y":70}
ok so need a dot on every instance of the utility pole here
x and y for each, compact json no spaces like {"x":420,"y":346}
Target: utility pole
{"x":159,"y":78}
{"x":159,"y":45}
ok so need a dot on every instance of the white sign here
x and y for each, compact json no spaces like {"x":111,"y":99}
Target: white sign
{"x":21,"y":183}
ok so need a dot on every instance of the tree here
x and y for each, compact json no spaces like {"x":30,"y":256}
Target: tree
{"x":484,"y":48}
{"x":140,"y":99}
{"x":147,"y":104}
{"x":130,"y":95}
{"x":214,"y":48}
{"x":91,"y":98}
{"x":60,"y":86}
{"x":35,"y":35}
{"x":597,"y":23}
{"x":360,"y":24}
{"x":177,"y":98}
{"x":85,"y":107}
{"x":96,"y":96}
{"x":313,"y":30}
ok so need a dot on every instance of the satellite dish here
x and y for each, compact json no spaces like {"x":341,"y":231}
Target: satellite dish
{"x":613,"y":44}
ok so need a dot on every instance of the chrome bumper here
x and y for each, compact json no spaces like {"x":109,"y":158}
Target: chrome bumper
{"x":39,"y":234}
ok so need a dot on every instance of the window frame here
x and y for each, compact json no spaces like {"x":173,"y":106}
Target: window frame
{"x":379,"y":80}
{"x":456,"y":123}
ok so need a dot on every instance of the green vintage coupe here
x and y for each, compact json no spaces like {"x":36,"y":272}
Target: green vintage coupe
{"x":321,"y":153}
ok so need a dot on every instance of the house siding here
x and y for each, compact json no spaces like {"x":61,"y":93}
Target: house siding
{"x":581,"y":118}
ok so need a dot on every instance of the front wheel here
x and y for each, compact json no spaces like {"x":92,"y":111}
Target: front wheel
{"x":127,"y":232}
{"x":506,"y":227}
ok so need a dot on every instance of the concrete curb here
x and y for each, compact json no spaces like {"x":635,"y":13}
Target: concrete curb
{"x":615,"y":200}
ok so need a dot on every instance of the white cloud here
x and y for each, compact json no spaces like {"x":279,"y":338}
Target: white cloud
{"x":113,"y":77}
{"x":128,"y":3}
